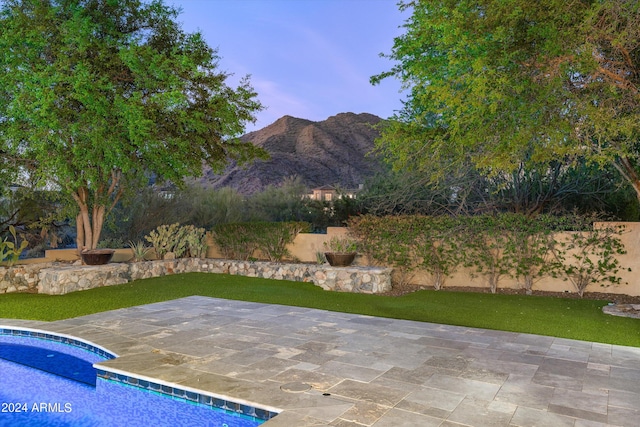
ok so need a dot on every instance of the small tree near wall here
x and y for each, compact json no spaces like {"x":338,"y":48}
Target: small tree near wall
{"x":589,"y":256}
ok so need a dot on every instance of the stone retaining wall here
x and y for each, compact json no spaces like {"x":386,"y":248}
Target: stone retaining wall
{"x":21,"y":278}
{"x":61,"y":279}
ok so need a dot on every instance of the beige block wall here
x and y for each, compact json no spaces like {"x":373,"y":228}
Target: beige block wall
{"x":305,"y":247}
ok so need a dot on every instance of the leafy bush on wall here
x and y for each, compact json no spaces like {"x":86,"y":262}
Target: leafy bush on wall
{"x":494,"y":246}
{"x":244,"y":240}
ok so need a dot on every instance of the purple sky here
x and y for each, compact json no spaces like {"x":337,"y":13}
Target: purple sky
{"x":307,"y":58}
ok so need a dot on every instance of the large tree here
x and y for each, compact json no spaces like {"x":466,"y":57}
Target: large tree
{"x":513,"y":84}
{"x":96,"y":95}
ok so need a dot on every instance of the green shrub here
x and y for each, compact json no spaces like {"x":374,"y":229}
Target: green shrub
{"x":407,"y":243}
{"x":234,"y":240}
{"x":388,"y":241}
{"x":589,"y":255}
{"x":341,"y":244}
{"x":529,"y":247}
{"x":242,"y":240}
{"x":438,"y":247}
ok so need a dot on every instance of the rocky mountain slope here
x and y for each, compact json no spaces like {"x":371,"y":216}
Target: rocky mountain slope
{"x":329,"y":152}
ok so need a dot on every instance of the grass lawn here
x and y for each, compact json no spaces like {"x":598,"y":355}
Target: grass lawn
{"x":568,"y":318}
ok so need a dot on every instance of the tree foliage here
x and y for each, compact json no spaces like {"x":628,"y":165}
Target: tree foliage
{"x":97,"y":94}
{"x":282,"y":203}
{"x":555,"y":188}
{"x":503,"y":84}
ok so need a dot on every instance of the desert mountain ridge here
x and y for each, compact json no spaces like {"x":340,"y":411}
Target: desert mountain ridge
{"x":329,"y":152}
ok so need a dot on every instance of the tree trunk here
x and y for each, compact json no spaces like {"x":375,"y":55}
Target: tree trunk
{"x":84,"y":237}
{"x":79,"y":233}
{"x":98,"y":222}
{"x":626,"y":169}
{"x":89,"y":227}
{"x":438,"y":279}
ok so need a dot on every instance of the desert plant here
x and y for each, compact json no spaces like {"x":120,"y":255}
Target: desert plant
{"x":164,"y":239}
{"x":179,"y":248}
{"x":240,"y":241}
{"x":195,"y":240}
{"x":178,"y":240}
{"x":279,"y":204}
{"x":11,"y":251}
{"x":273,"y":238}
{"x":234,"y":240}
{"x":341,"y":245}
{"x":139,"y":250}
{"x":208,"y":206}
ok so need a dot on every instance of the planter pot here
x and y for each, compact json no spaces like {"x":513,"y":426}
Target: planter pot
{"x":338,"y":259}
{"x":97,"y":256}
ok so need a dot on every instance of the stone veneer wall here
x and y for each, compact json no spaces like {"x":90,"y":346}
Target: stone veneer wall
{"x":61,"y":279}
{"x":21,"y":278}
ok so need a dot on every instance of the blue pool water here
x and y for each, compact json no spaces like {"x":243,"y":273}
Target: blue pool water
{"x":45,"y":383}
{"x":49,"y":360}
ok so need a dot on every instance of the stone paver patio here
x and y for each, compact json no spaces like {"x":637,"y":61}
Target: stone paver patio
{"x":366,"y":371}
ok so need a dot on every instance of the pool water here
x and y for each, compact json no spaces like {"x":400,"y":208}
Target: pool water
{"x":50,"y":360}
{"x":61,"y":392}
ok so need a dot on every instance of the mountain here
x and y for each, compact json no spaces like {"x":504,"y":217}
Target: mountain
{"x":330,"y":152}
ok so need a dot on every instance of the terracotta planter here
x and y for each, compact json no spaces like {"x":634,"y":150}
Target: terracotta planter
{"x":338,"y":259}
{"x":97,"y":256}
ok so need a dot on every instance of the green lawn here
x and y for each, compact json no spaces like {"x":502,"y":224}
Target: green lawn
{"x":568,"y":318}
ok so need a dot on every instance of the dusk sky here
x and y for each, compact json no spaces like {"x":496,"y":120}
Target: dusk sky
{"x":307,"y":58}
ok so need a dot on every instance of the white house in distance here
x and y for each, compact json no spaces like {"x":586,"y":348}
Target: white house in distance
{"x":328,"y":193}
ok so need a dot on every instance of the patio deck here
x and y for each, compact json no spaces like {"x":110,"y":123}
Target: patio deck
{"x":376,"y":371}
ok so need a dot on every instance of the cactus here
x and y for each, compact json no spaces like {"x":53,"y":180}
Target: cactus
{"x":181,"y":241}
{"x":196,"y":241}
{"x":163,"y":239}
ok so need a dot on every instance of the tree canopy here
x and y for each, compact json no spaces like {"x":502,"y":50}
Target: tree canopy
{"x":96,"y":95}
{"x":507,"y":84}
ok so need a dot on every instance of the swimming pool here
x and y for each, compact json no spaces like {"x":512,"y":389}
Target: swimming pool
{"x":46,"y":383}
